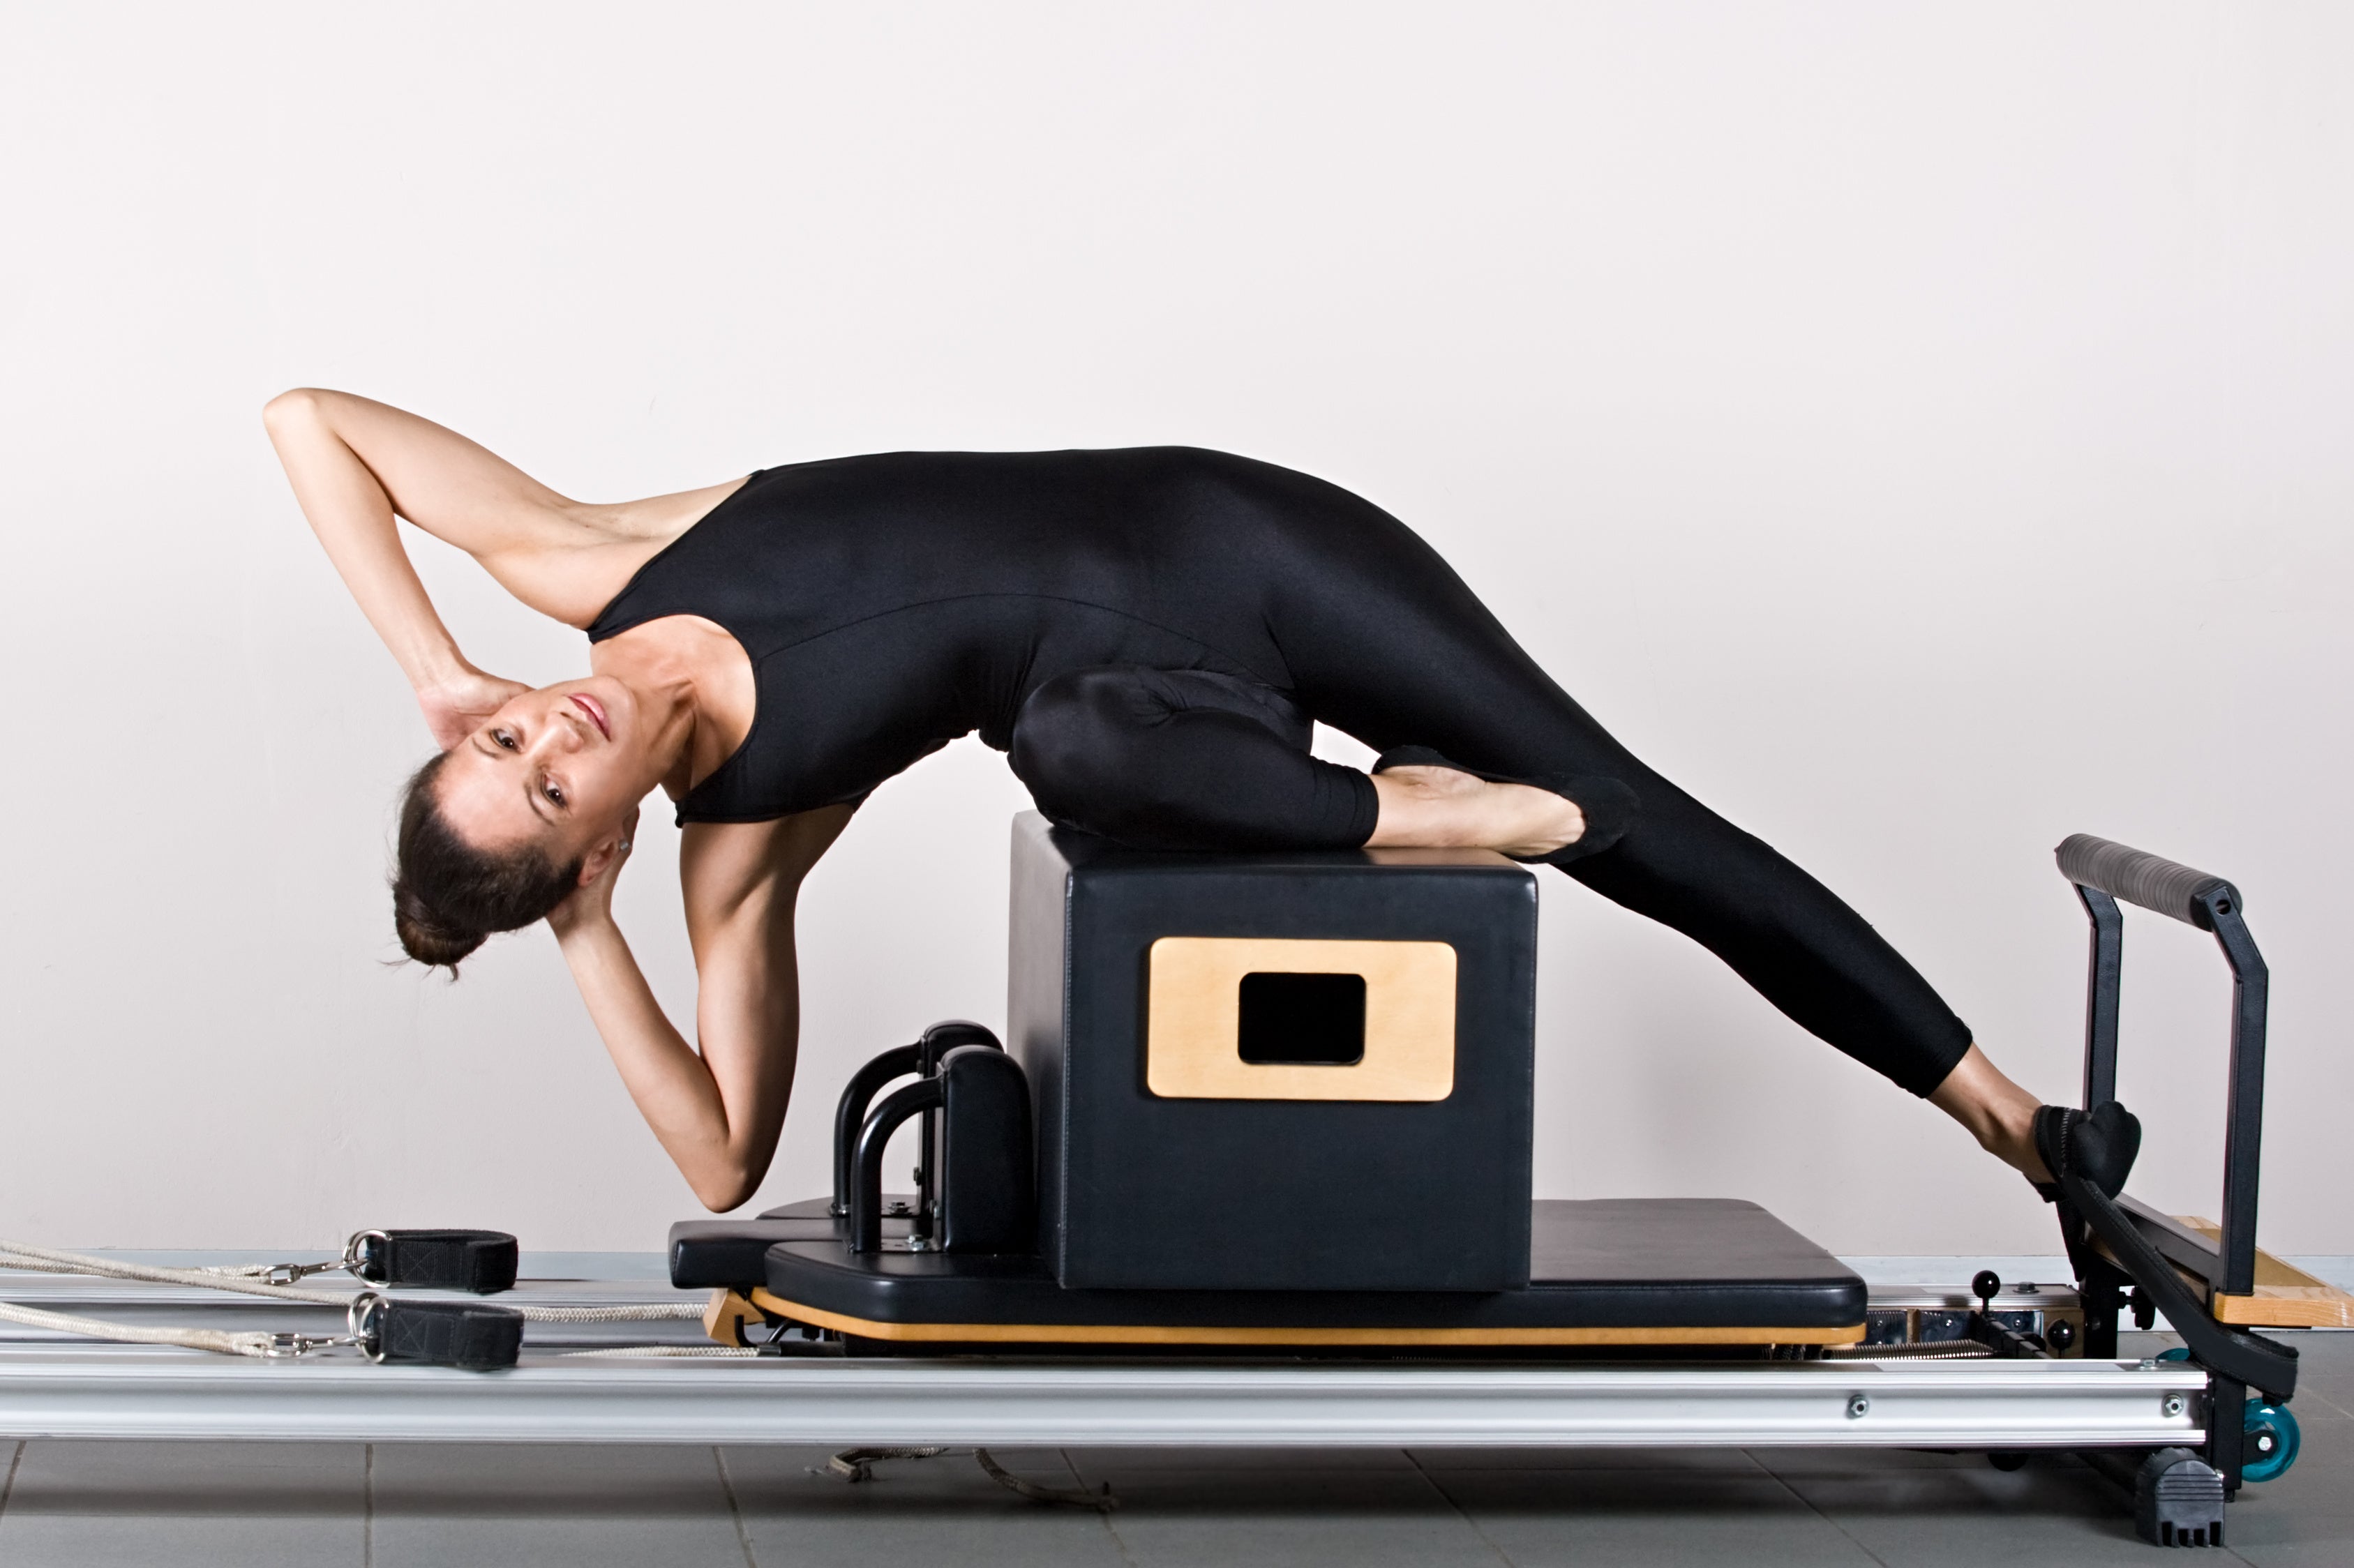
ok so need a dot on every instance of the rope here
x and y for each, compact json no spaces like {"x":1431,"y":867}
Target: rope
{"x":48,"y":1260}
{"x":218,"y":1340}
{"x":648,"y":1312}
{"x":856,"y":1465}
{"x":242,"y":1281}
{"x":1068,"y":1497}
{"x":696,"y":1351}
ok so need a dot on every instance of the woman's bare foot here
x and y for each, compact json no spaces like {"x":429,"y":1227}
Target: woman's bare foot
{"x":1997,"y":1112}
{"x":1444,"y":808}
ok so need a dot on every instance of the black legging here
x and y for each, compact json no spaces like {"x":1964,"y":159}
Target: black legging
{"x":1149,"y":633}
{"x":1187,"y":759}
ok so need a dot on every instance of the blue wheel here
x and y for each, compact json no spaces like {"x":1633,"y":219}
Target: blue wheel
{"x":2272,"y":1441}
{"x":2179,"y":1353}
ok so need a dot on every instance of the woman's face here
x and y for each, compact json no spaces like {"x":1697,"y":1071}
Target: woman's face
{"x":560,"y":766}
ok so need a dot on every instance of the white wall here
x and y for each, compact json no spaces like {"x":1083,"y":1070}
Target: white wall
{"x":1918,"y":429}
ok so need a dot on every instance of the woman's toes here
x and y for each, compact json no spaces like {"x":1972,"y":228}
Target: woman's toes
{"x":1542,"y":821}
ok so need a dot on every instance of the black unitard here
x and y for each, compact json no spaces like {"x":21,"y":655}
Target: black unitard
{"x":1150,"y":632}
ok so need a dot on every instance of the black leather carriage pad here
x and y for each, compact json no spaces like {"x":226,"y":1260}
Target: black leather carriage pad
{"x":1607,"y":1263}
{"x":732,"y":1254}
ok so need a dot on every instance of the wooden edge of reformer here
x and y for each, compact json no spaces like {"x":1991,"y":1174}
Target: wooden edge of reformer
{"x":2285,"y":1296}
{"x":726,"y":1317}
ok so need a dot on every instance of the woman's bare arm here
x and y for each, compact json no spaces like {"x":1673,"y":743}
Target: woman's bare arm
{"x":356,"y":464}
{"x":322,"y":437}
{"x":717,"y":1111}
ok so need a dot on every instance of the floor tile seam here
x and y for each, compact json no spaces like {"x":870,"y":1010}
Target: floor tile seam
{"x":1103,"y":1515}
{"x":734,"y":1510}
{"x":8,"y":1485}
{"x":2340,"y":1407}
{"x":1808,"y":1504}
{"x":368,"y":1505}
{"x":1448,"y":1498}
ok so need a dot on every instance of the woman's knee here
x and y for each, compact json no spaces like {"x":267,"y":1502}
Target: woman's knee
{"x":1075,"y":743}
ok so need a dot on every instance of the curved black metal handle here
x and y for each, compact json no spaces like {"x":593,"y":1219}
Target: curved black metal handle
{"x":850,"y":1111}
{"x":2153,"y":882}
{"x":923,"y":1059}
{"x":866,"y":1174}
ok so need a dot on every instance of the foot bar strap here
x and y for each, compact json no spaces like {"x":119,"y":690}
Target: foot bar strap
{"x":2252,"y":1359}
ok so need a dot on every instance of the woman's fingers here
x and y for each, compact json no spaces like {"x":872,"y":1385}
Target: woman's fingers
{"x":456,"y":707}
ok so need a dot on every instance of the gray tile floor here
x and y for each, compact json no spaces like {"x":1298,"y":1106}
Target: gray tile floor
{"x":406,"y":1505}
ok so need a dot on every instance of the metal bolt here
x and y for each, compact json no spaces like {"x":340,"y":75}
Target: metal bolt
{"x":2263,"y":1441}
{"x":1857,"y":1405}
{"x":2173,"y":1404}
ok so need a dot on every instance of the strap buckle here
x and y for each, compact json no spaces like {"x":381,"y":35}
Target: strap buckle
{"x":363,"y":1319}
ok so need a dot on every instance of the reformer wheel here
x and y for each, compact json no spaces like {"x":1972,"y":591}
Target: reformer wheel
{"x":2272,"y":1438}
{"x":2272,"y":1441}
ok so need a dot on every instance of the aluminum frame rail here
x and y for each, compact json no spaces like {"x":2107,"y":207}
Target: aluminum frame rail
{"x":140,"y":1393}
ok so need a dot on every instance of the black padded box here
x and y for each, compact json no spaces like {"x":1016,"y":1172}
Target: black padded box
{"x":1276,"y":1072}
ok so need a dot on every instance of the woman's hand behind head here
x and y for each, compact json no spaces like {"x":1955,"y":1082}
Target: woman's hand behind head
{"x":592,"y":901}
{"x":456,"y":706}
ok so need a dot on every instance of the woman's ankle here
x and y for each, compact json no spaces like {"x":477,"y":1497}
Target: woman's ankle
{"x":1996,"y":1111}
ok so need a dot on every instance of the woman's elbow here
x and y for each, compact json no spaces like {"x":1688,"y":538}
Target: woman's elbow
{"x":721,"y":1190}
{"x":293,"y":405}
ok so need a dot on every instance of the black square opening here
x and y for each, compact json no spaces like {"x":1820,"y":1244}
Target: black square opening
{"x":1302,"y":1019}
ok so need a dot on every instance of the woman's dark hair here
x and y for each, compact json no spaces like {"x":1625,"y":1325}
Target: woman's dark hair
{"x":448,"y":895}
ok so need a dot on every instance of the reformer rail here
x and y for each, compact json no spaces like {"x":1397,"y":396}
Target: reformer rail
{"x":137,"y":1393}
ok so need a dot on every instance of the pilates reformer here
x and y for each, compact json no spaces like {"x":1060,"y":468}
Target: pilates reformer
{"x":1256,"y":1170}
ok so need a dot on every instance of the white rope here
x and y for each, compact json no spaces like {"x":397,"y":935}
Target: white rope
{"x":696,"y":1351}
{"x":214,"y":1339}
{"x":48,"y":1260}
{"x":644,"y":1312}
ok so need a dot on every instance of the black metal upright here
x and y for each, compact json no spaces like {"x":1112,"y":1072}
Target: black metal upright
{"x":2244,"y":1133}
{"x":2100,"y":989}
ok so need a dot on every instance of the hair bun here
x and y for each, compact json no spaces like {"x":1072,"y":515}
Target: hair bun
{"x":448,"y":895}
{"x":428,"y":937}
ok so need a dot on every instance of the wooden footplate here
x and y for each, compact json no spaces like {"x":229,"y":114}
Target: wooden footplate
{"x":2285,"y":1297}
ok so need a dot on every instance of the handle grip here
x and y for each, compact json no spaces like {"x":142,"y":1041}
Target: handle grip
{"x":2138,"y":878}
{"x":866,"y":1173}
{"x":921,"y":1059}
{"x":850,"y":1113}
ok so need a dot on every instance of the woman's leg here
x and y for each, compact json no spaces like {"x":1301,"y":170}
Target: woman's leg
{"x":1380,"y":639}
{"x":1185,"y":759}
{"x":1191,"y":760}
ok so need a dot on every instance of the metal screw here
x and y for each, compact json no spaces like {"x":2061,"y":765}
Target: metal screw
{"x":1857,"y":1405}
{"x":2173,"y":1405}
{"x":2264,"y":1443}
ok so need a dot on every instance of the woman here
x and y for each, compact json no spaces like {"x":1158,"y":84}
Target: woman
{"x":1149,"y":635}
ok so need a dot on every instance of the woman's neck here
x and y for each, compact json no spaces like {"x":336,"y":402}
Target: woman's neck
{"x":694,"y":687}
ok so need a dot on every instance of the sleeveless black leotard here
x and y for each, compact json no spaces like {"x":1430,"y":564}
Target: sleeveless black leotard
{"x":1149,"y":633}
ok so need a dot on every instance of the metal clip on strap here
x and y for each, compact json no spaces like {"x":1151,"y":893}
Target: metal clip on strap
{"x":483,"y":1262}
{"x":471,"y":1336}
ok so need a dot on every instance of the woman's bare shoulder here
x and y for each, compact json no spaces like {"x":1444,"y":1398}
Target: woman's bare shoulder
{"x":581,"y":566}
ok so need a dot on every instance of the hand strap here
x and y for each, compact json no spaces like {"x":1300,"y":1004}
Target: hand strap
{"x":483,"y":1262}
{"x":471,"y":1336}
